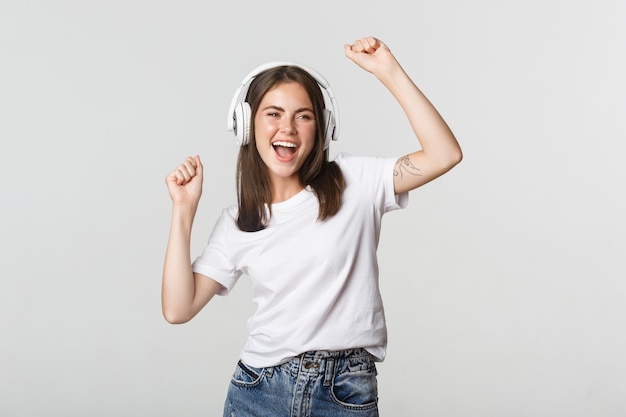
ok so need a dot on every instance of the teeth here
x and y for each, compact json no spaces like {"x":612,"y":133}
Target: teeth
{"x":284,"y":144}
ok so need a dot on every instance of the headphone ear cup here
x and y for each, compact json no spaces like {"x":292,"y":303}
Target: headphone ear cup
{"x":329,"y":131}
{"x":241,"y":123}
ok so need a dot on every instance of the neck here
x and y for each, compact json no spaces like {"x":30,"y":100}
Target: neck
{"x":285,"y":188}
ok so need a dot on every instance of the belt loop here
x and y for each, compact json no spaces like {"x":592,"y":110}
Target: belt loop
{"x":330,"y":370}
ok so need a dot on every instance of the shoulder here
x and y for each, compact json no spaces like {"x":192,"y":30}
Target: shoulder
{"x":365,"y":166}
{"x":227,"y":219}
{"x":349,"y":162}
{"x":371,"y":178}
{"x":344,"y":158}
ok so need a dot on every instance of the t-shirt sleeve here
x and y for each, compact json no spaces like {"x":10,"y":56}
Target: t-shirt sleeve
{"x":215,"y":262}
{"x":375,"y":174}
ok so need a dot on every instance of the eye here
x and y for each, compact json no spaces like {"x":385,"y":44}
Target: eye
{"x":272,"y":114}
{"x":305,"y":116}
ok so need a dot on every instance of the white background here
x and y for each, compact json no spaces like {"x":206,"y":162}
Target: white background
{"x":504,"y":280}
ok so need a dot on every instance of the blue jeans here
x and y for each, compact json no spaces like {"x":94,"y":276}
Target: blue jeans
{"x":314,"y":384}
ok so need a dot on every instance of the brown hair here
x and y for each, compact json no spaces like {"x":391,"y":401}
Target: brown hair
{"x":253,"y":183}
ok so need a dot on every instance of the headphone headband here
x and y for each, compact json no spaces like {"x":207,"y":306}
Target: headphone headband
{"x":239,"y":110}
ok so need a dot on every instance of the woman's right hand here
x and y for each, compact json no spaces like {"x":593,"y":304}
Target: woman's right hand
{"x":185,"y":182}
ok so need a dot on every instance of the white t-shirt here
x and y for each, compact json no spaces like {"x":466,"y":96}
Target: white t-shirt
{"x":315,"y":283}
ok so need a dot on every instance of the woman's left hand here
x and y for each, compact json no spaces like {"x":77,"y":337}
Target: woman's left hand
{"x":371,"y":54}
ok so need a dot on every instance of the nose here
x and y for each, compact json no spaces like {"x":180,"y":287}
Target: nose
{"x":287,"y":126}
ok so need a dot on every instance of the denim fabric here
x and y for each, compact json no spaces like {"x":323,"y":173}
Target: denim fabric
{"x":314,"y":384}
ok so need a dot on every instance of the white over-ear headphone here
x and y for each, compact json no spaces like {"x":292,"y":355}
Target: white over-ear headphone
{"x":239,"y":113}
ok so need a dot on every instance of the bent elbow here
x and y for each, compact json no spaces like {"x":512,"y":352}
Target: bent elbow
{"x":456,"y":158}
{"x":174,"y":317}
{"x":450,"y":160}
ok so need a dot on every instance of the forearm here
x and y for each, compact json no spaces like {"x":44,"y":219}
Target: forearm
{"x":178,"y":287}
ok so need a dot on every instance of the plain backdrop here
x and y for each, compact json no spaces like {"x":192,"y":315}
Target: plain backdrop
{"x":504,"y":281}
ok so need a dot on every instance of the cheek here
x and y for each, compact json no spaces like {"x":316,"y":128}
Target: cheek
{"x":264,"y":124}
{"x":263,"y":134}
{"x":308,"y":134}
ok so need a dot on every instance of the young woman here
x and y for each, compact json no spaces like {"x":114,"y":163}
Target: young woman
{"x":305,"y":231}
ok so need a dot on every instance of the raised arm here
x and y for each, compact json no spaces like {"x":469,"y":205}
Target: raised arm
{"x":439,"y":150}
{"x":184,"y":293}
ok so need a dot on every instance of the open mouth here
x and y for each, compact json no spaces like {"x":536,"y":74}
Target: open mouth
{"x":284,"y":149}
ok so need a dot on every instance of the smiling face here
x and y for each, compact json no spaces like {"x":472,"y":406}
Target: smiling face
{"x":284,"y":130}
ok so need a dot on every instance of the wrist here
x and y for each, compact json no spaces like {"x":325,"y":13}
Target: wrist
{"x":184,"y":211}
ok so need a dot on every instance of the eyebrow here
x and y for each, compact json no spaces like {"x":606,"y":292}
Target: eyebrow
{"x":301,"y":109}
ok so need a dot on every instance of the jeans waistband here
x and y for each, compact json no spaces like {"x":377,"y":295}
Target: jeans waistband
{"x":326,"y":362}
{"x":317,"y":355}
